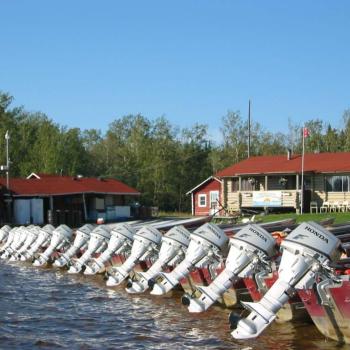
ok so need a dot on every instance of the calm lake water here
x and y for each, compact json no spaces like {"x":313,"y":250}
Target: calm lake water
{"x":49,"y":309}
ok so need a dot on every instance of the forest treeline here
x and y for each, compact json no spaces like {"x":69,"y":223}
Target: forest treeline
{"x":161,"y":160}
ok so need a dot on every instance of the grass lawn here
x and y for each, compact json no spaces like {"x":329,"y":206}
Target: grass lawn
{"x":339,"y":217}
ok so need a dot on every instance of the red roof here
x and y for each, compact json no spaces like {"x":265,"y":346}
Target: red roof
{"x":48,"y":185}
{"x":313,"y":162}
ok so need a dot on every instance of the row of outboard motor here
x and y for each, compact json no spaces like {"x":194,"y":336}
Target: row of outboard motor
{"x":303,"y":256}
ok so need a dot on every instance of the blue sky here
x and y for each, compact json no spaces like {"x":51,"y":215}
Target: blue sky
{"x":85,"y":63}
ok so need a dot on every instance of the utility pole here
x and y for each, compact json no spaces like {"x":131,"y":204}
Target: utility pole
{"x":6,"y":168}
{"x":7,"y":137}
{"x":249,"y":129}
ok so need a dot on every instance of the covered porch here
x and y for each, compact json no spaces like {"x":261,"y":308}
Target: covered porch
{"x":266,"y":191}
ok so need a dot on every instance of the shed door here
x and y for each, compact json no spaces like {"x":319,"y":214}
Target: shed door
{"x":22,"y":211}
{"x":214,"y":202}
{"x":37,"y":211}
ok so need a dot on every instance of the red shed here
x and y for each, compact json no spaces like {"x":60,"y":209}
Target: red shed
{"x":206,"y":197}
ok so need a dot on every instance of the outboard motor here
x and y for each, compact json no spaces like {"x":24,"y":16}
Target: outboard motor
{"x":207,"y":246}
{"x":250,"y":250}
{"x":60,"y":237}
{"x":99,"y":238}
{"x":32,"y":235}
{"x":82,"y":236}
{"x":10,"y":238}
{"x":172,"y":251}
{"x":146,"y":241}
{"x":17,"y":241}
{"x":122,"y":237}
{"x":307,"y":252}
{"x":4,"y":232}
{"x":43,"y":239}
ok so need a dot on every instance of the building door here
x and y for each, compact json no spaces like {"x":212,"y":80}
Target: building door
{"x":37,"y":211}
{"x":214,"y":202}
{"x":306,"y":201}
{"x":21,"y":213}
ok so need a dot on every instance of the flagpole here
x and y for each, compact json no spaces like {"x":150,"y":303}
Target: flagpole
{"x":302,"y":173}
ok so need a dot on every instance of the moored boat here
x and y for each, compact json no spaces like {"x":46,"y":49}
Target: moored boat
{"x":251,"y":250}
{"x":328,"y":304}
{"x":145,"y":246}
{"x":98,"y":242}
{"x":59,"y":240}
{"x":207,"y":248}
{"x":307,"y":254}
{"x":171,"y":252}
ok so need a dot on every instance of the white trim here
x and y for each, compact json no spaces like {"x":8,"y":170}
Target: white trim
{"x":33,"y":175}
{"x":202,"y":195}
{"x":214,"y":209}
{"x":202,"y":183}
{"x":217,"y":192}
{"x":192,"y":204}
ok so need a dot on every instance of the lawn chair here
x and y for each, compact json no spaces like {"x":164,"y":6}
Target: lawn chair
{"x":313,"y":207}
{"x":345,"y":206}
{"x":335,"y":206}
{"x":325,"y":207}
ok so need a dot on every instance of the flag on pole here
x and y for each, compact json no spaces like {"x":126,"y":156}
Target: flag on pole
{"x":306,"y":132}
{"x":7,"y":135}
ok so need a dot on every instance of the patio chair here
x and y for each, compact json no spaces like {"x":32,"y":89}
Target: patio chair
{"x":325,"y":207}
{"x":335,"y":206}
{"x":313,"y":206}
{"x":345,"y":206}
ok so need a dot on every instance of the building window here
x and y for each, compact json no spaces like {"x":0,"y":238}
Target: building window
{"x":202,"y":199}
{"x":337,"y":183}
{"x":251,"y":184}
{"x":235,"y":184}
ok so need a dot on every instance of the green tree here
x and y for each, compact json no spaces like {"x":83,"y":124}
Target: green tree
{"x":331,"y":140}
{"x":345,"y":137}
{"x":234,"y":132}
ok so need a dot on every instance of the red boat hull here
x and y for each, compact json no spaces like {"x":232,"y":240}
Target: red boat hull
{"x":332,"y":318}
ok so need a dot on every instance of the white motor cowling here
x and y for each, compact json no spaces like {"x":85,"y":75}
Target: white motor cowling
{"x":32,"y":235}
{"x":122,"y":237}
{"x":145,"y":245}
{"x":250,"y":250}
{"x":17,"y":240}
{"x":207,"y":246}
{"x":43,"y":239}
{"x":82,"y":235}
{"x":11,"y":236}
{"x":307,"y":252}
{"x":60,"y":237}
{"x":172,"y":250}
{"x":4,"y":232}
{"x":98,"y":242}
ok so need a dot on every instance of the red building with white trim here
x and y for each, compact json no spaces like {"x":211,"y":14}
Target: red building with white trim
{"x":276,"y":182}
{"x":205,"y":197}
{"x":42,"y":198}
